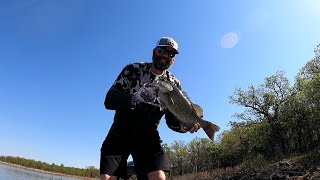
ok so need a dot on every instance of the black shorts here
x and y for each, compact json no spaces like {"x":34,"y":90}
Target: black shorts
{"x":147,"y":157}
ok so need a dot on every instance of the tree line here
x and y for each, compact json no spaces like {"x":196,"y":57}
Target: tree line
{"x":278,"y":119}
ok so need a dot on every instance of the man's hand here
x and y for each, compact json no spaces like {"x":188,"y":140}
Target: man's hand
{"x":146,"y":94}
{"x":194,"y":129}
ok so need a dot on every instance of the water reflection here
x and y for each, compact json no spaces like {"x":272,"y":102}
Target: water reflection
{"x":13,"y":173}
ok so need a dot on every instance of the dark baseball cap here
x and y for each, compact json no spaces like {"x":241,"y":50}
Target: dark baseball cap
{"x":168,"y":41}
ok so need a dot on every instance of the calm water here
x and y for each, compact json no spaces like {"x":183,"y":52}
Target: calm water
{"x":13,"y":173}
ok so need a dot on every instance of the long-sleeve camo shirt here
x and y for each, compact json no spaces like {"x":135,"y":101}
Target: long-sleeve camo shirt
{"x":142,"y":121}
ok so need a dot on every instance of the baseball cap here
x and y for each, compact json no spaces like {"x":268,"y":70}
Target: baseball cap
{"x":168,"y":41}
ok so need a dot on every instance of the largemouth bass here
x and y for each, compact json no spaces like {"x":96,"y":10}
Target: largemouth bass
{"x":181,"y":106}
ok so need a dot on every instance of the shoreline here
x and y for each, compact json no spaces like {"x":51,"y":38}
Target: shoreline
{"x":46,"y":172}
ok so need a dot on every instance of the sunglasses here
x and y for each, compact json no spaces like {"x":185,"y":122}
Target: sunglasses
{"x":164,"y":51}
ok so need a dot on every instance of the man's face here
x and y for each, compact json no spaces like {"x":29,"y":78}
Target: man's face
{"x":163,"y":57}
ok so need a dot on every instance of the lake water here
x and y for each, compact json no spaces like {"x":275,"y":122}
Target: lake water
{"x":13,"y":173}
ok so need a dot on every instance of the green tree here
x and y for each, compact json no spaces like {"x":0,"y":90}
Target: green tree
{"x":197,"y":149}
{"x":180,"y":158}
{"x":262,"y":103}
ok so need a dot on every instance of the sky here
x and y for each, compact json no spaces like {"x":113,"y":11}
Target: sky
{"x":58,"y":58}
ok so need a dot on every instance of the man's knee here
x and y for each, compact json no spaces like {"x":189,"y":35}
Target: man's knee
{"x":107,"y":177}
{"x":156,"y":175}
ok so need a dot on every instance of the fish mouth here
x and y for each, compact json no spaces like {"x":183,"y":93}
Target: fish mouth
{"x":162,"y":86}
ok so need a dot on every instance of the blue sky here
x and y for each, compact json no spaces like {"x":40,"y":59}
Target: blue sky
{"x":59,"y":58}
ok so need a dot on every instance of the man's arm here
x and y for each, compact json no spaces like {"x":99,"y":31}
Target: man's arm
{"x":118,"y":96}
{"x":173,"y":122}
{"x":116,"y":99}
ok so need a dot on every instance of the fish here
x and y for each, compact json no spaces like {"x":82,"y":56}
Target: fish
{"x":179,"y":104}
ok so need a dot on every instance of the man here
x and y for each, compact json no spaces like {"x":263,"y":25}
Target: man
{"x":137,"y":115}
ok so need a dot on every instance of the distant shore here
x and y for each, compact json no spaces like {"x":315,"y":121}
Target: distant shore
{"x":46,"y":172}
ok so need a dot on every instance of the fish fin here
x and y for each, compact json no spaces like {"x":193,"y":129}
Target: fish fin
{"x":185,"y":95}
{"x":210,"y":130}
{"x":198,"y":110}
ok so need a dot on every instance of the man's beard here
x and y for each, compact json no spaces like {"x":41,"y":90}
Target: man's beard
{"x":160,"y":65}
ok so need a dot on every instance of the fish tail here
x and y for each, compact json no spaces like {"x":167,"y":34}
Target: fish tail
{"x":210,"y":130}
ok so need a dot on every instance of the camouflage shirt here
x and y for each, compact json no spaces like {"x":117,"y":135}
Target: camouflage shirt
{"x":145,"y":117}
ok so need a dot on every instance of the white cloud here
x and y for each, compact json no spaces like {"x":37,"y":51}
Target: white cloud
{"x":229,"y":40}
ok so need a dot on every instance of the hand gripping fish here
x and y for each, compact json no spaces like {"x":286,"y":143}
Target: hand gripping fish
{"x":179,"y":105}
